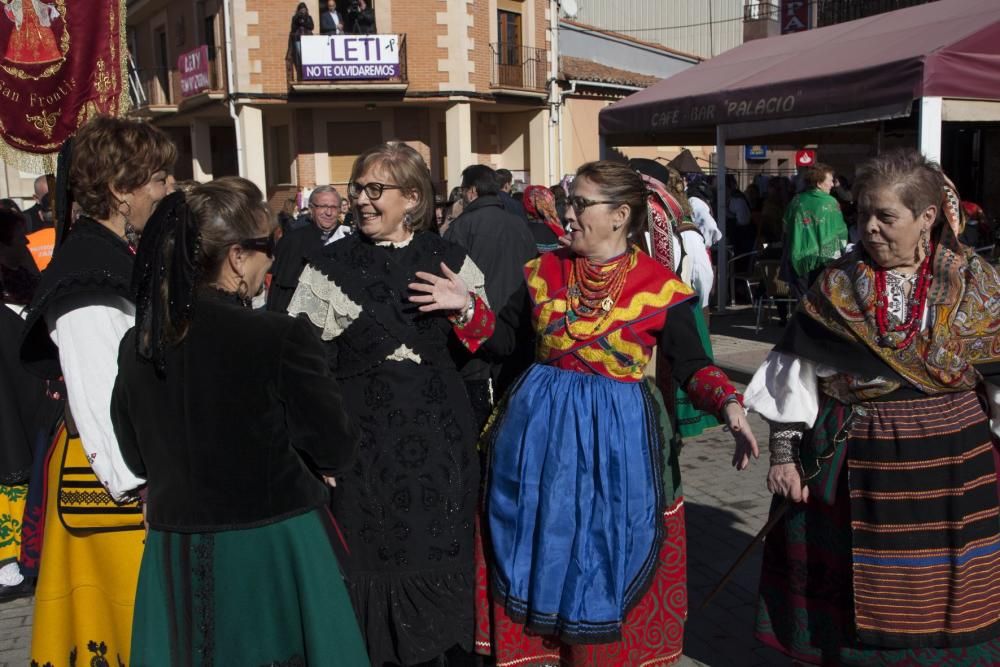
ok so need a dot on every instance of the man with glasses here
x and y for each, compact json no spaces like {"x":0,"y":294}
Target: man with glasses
{"x":500,"y":244}
{"x":298,"y":244}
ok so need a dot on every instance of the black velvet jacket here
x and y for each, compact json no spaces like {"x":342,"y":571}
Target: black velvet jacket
{"x":233,"y":434}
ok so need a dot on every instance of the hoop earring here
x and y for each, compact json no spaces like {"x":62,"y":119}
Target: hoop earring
{"x":408,"y":221}
{"x":243,"y":293}
{"x":130,"y":233}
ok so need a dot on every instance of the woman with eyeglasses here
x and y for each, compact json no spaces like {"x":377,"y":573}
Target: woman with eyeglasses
{"x":407,"y":507}
{"x":234,"y":420}
{"x":584,"y":517}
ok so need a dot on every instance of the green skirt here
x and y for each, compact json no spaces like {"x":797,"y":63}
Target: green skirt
{"x":272,"y":595}
{"x":690,"y":420}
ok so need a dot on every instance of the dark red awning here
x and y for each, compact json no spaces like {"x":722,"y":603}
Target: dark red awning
{"x":860,"y":70}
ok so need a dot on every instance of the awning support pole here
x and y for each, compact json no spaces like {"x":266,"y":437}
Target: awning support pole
{"x":722,"y":289}
{"x":930,"y":127}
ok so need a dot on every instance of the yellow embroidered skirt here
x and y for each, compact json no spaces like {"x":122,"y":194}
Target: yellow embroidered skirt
{"x":12,"y":500}
{"x":86,"y":586}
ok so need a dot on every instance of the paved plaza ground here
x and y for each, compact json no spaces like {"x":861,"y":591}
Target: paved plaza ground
{"x":724,"y":510}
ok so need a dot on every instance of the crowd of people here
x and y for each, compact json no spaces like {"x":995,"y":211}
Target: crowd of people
{"x":409,"y":430}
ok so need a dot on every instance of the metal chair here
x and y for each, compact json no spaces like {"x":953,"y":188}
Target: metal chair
{"x":775,"y":290}
{"x":750,"y":277}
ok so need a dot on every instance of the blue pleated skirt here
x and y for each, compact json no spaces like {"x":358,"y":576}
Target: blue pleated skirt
{"x":573,"y":502}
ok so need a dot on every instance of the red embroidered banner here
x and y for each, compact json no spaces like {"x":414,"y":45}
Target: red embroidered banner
{"x":60,"y":63}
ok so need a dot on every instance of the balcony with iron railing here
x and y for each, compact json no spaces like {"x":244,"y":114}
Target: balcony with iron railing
{"x":158,"y":89}
{"x":830,"y":12}
{"x":762,"y":10}
{"x":518,"y":68}
{"x":349,"y":62}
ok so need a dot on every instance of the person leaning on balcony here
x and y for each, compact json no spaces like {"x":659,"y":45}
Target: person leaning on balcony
{"x":302,"y":24}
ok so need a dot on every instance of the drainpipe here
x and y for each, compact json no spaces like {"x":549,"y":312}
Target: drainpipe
{"x":555,"y":123}
{"x":227,"y":13}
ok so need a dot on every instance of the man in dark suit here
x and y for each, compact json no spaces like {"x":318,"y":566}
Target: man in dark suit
{"x":300,"y":243}
{"x":500,"y":244}
{"x":505,"y":183}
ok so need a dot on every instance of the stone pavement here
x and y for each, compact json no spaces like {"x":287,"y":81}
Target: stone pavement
{"x":15,"y":632}
{"x":724,"y":510}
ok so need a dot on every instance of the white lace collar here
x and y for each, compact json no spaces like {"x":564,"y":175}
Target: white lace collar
{"x":395,"y":244}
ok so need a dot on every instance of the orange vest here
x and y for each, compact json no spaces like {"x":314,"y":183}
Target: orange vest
{"x":41,"y":244}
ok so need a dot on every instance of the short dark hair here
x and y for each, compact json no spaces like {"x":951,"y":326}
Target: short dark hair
{"x":816,"y":174}
{"x":504,"y":178}
{"x":482,"y":178}
{"x":115,"y":153}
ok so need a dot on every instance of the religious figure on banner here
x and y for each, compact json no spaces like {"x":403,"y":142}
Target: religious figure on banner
{"x":32,"y":42}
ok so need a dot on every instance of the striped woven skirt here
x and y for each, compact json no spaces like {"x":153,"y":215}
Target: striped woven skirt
{"x":903,"y":567}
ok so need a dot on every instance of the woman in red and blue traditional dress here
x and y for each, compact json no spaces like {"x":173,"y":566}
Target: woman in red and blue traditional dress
{"x":584,"y":518}
{"x":880,"y":397}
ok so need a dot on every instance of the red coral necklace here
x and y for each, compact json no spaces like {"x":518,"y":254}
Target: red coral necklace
{"x":594,"y":288}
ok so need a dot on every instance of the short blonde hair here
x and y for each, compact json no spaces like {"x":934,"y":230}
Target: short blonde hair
{"x":409,"y":171}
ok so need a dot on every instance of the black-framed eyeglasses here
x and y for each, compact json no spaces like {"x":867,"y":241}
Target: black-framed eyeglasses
{"x":264,"y":244}
{"x":373,"y":190}
{"x":328,"y":209}
{"x":581,"y":204}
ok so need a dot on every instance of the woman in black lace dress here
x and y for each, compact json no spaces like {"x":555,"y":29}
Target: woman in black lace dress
{"x":407,"y":507}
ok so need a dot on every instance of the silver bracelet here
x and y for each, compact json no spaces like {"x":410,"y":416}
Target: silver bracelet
{"x":464,"y":317}
{"x":784,"y":442}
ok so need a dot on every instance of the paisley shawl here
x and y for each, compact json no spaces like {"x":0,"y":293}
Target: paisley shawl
{"x":964,"y":300}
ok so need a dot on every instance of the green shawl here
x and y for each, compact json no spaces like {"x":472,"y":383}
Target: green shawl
{"x":814,"y":231}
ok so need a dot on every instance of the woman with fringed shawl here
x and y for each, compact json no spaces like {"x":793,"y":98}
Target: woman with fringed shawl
{"x":880,"y":398}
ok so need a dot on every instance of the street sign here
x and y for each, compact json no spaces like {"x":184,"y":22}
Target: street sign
{"x":794,"y":16}
{"x":333,"y":57}
{"x":805,"y":157}
{"x":193,"y":67}
{"x":755,"y":152}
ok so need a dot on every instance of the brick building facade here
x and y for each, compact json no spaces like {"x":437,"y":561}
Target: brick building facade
{"x":472,"y":86}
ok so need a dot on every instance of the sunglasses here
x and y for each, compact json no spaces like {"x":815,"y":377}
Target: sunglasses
{"x":581,"y":204}
{"x":264,"y":244}
{"x":373,"y":190}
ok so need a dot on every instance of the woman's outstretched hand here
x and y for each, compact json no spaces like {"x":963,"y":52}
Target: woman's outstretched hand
{"x":746,"y":444}
{"x":445,"y":292}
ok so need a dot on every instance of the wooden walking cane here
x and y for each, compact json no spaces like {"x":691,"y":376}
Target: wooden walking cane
{"x":758,"y":538}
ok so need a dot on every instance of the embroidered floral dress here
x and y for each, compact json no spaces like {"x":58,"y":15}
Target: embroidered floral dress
{"x":407,"y":507}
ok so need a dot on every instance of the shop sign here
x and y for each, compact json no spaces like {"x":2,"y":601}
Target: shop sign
{"x":193,"y":67}
{"x":805,"y":157}
{"x":755,"y":152}
{"x":336,"y":57}
{"x":794,"y":16}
